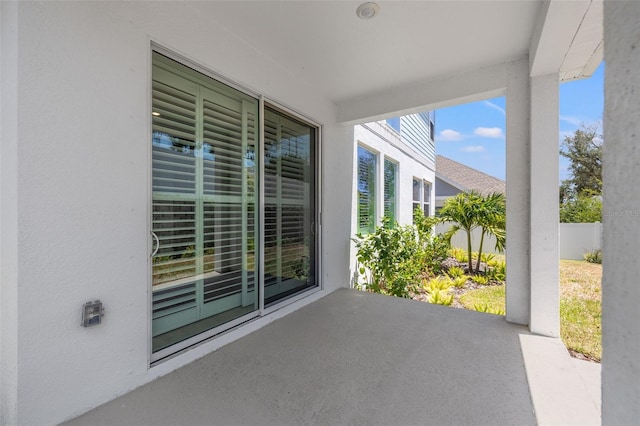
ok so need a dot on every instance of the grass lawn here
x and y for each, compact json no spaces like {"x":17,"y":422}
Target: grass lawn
{"x":580,"y":306}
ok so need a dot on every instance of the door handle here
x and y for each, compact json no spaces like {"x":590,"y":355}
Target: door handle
{"x":155,"y":237}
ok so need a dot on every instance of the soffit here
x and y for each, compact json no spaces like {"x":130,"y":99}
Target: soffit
{"x":324,"y":42}
{"x":327,"y":45}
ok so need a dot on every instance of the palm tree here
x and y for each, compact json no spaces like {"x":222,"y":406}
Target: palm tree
{"x":463,"y":211}
{"x":492,"y":221}
{"x":470,"y":210}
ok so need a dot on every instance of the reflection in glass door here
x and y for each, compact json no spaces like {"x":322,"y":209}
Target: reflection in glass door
{"x":206,"y":162}
{"x":204,"y":203}
{"x":289,"y":199}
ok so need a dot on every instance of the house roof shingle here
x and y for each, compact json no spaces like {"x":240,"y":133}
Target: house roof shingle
{"x":466,"y":178}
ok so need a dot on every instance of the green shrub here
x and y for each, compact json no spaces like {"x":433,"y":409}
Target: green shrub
{"x":387,"y":259}
{"x":584,"y":208}
{"x":392,"y":258}
{"x":432,"y":249}
{"x":593,"y":256}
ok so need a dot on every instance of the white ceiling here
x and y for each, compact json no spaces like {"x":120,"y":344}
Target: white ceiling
{"x":325,"y":43}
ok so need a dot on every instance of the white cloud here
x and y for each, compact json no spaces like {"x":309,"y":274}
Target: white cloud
{"x":488,"y":132}
{"x":449,"y":135}
{"x":473,"y":148}
{"x":496,"y":107}
{"x":575,"y":121}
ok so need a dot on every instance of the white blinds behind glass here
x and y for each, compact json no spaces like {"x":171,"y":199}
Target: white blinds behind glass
{"x":366,"y":190}
{"x":204,"y":139}
{"x":390,"y":190}
{"x":288,"y":206}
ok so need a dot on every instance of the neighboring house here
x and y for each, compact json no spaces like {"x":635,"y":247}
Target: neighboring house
{"x":393,"y":170}
{"x":453,"y":178}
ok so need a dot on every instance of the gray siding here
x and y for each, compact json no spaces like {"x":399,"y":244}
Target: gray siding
{"x":416,"y":133}
{"x":443,"y":189}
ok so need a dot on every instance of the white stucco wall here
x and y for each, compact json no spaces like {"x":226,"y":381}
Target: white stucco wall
{"x":76,"y":189}
{"x":621,"y":207}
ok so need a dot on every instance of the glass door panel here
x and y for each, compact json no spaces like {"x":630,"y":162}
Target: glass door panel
{"x":204,"y":216}
{"x":289,"y":176}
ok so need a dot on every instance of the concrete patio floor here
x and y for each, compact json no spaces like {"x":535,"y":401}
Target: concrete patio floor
{"x":360,"y":358}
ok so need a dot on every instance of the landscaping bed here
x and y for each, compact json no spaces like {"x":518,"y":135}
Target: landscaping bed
{"x":580,"y":304}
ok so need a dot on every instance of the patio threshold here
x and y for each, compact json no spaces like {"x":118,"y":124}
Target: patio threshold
{"x":360,"y":358}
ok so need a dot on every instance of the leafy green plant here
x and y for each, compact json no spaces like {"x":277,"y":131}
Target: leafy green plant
{"x":438,"y":289}
{"x":487,"y":258}
{"x":497,"y":271}
{"x":432,"y":249}
{"x":436,"y":284}
{"x":440,"y":298}
{"x":458,"y":254}
{"x":593,"y":256}
{"x":583,"y":208}
{"x":386,"y":258}
{"x":483,"y":307}
{"x":480,"y":279}
{"x":455,"y":272}
{"x":189,"y":252}
{"x":460,"y":281}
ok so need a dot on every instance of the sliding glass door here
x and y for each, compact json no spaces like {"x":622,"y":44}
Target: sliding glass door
{"x":206,"y":215}
{"x":204,"y":203}
{"x":289,"y":198}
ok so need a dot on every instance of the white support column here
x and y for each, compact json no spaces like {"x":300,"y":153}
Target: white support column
{"x":9,"y":214}
{"x":518,"y":184}
{"x":337,"y":168}
{"x":621,"y":199}
{"x":544,"y":257}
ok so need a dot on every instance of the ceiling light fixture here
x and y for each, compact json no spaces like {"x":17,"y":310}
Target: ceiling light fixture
{"x":367,"y":10}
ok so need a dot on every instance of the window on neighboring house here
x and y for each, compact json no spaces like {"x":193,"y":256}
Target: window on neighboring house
{"x":417,"y":189}
{"x":421,"y":196}
{"x":390,"y":173}
{"x":367,"y":162}
{"x":426,"y":198}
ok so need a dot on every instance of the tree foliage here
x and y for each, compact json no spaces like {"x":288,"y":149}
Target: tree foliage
{"x":584,"y":208}
{"x":584,"y":152}
{"x":470,"y":210}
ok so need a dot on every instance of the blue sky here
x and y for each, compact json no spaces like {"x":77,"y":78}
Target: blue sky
{"x":474,"y":133}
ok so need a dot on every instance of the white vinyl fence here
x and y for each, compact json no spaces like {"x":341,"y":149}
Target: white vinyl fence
{"x":575,"y":239}
{"x":460,"y":239}
{"x":578,"y":238}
